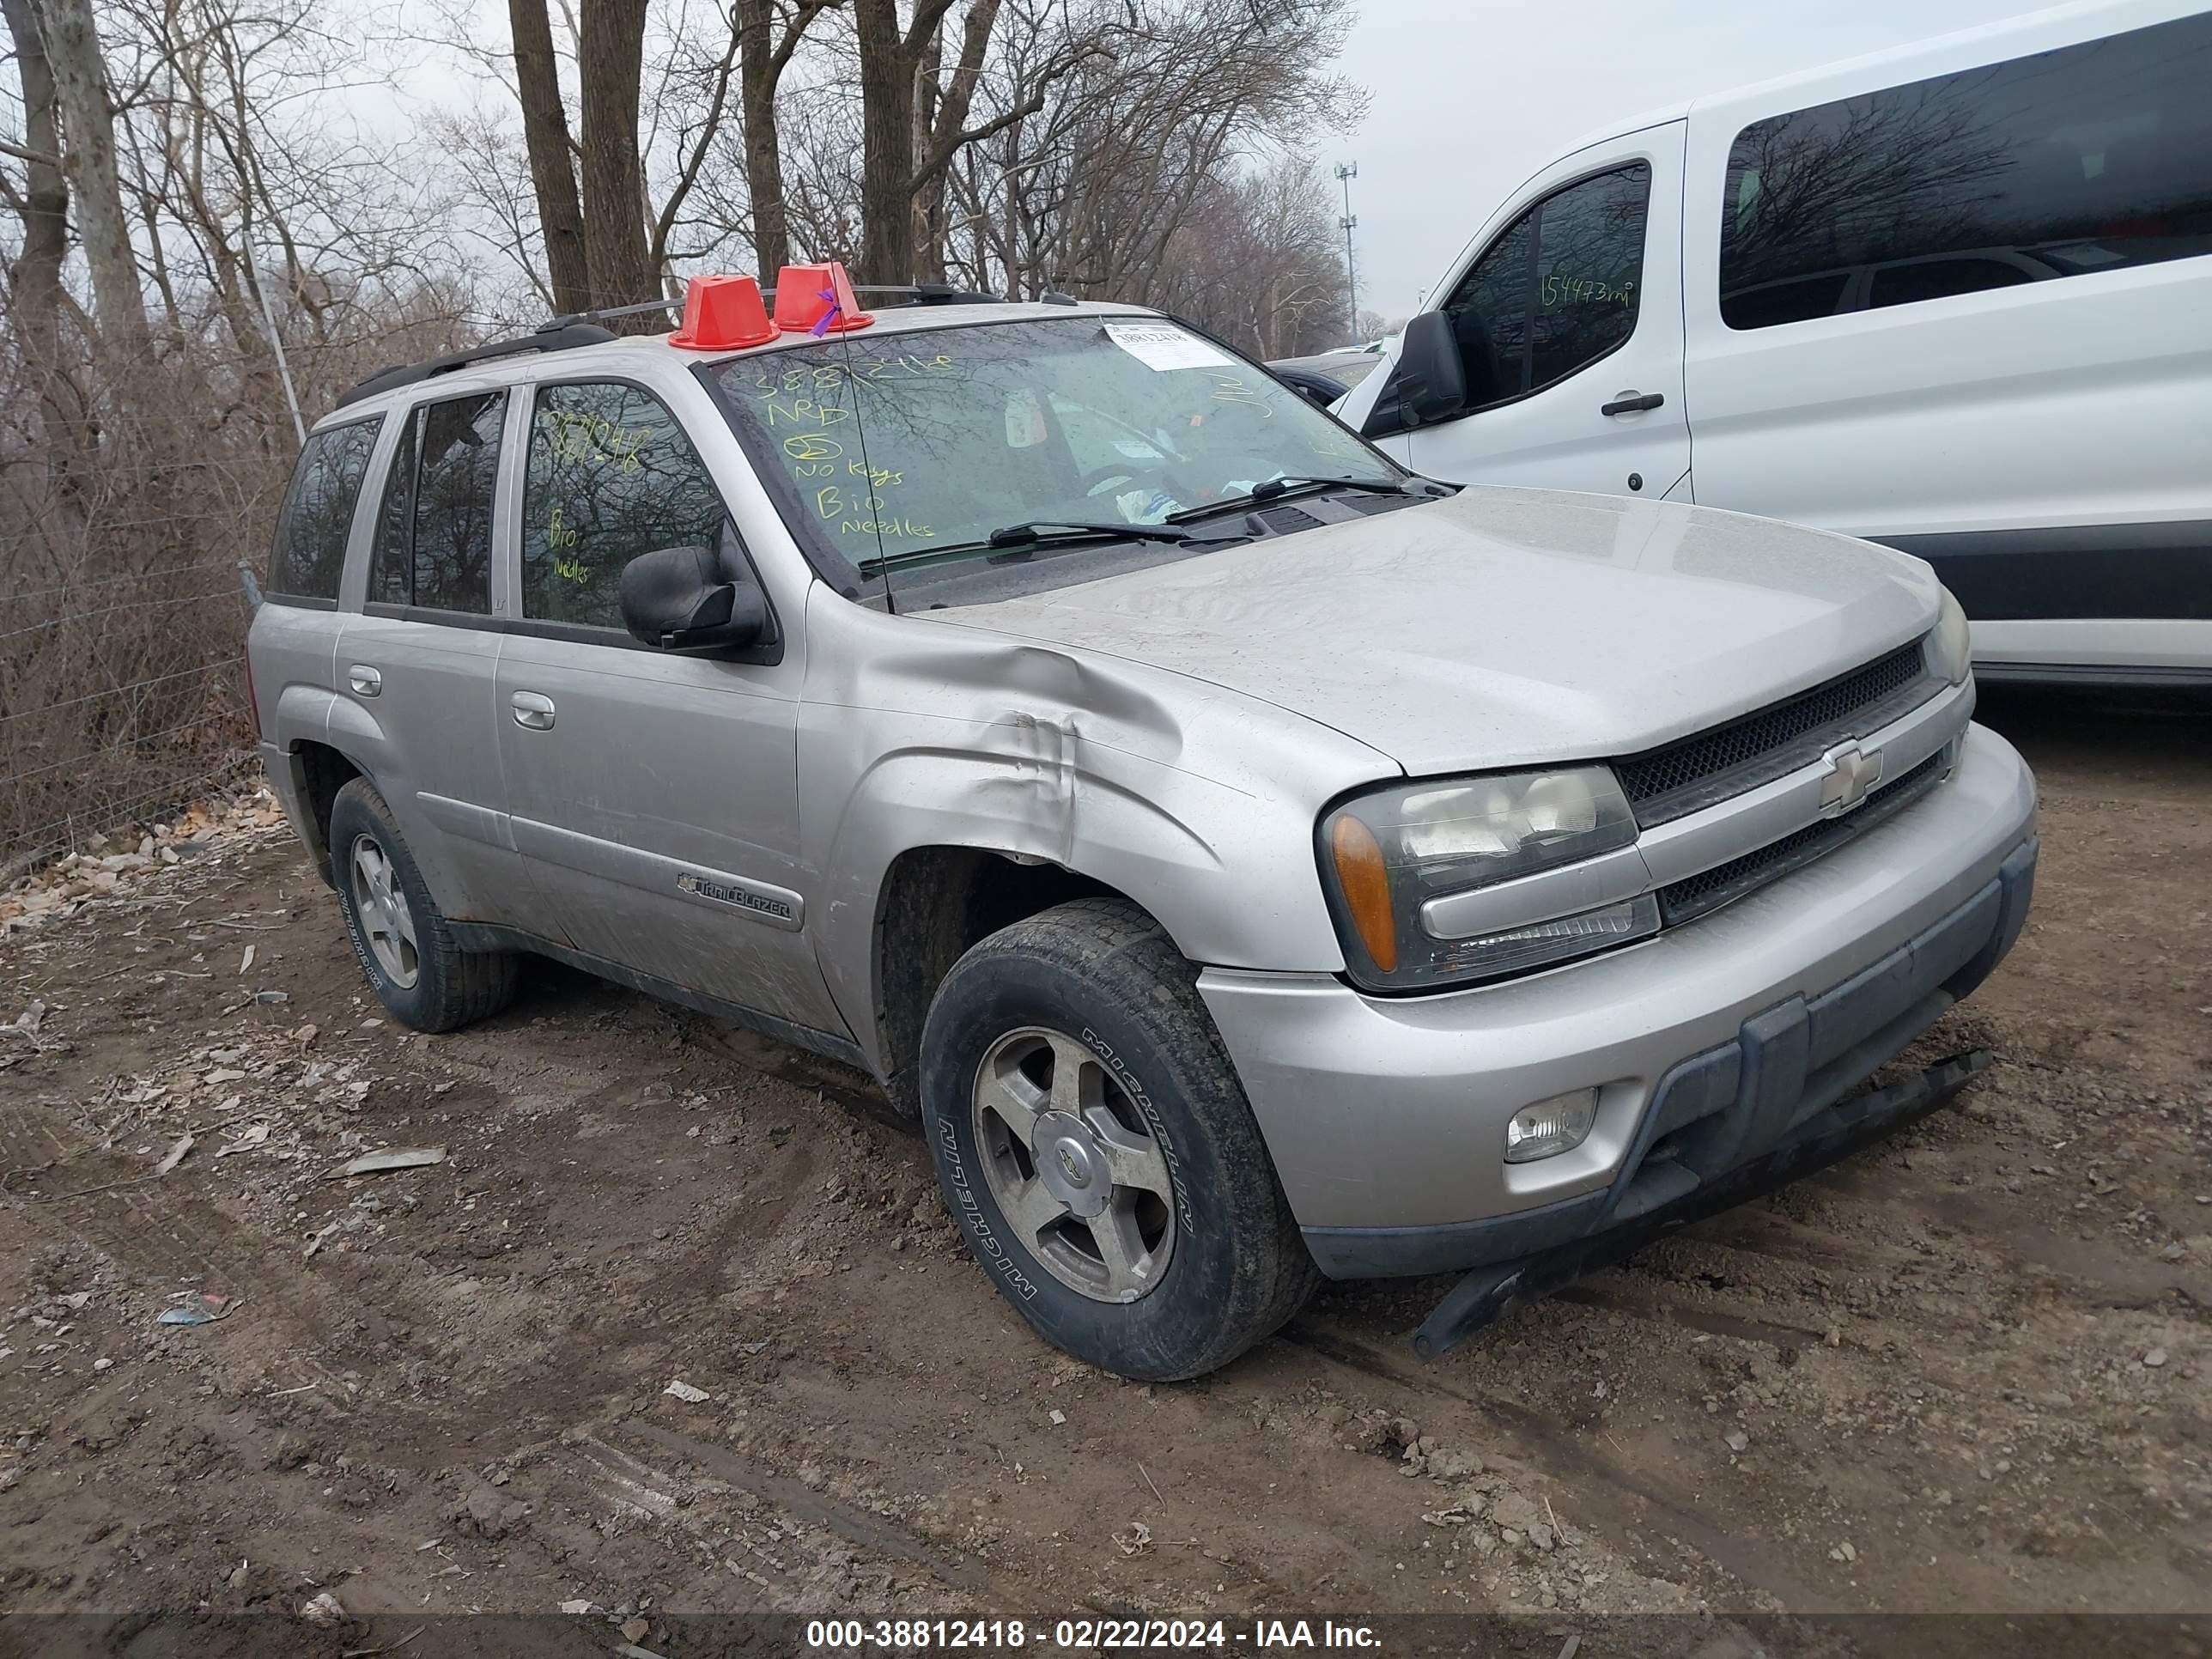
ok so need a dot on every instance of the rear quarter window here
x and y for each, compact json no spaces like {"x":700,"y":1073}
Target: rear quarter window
{"x":316,"y":521}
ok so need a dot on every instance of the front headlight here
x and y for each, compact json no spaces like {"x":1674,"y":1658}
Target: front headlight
{"x":1951,"y":646}
{"x":1386,"y":854}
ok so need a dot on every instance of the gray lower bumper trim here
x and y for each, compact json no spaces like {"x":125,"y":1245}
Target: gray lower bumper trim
{"x":1490,"y":1293}
{"x":1778,"y":1082}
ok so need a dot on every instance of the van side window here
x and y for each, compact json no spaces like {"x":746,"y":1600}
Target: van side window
{"x":1556,"y":291}
{"x":611,"y":475}
{"x":434,"y":540}
{"x":2083,"y":158}
{"x":318,"y":512}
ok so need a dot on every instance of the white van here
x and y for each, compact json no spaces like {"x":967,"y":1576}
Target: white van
{"x":1955,"y":298}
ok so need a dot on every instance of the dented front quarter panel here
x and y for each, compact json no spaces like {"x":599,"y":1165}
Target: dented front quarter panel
{"x":1196,"y":802}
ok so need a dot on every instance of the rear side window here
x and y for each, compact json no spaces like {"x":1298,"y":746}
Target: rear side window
{"x":2078,"y":160}
{"x":1556,"y":291}
{"x":433,"y":531}
{"x":316,"y":517}
{"x":611,"y":475}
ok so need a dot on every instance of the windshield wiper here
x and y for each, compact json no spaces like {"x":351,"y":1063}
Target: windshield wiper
{"x":1021,"y":535}
{"x":1268,"y":489}
{"x":1034,"y":532}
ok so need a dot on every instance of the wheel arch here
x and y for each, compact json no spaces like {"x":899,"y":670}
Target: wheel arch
{"x":935,"y":902}
{"x":323,"y":769}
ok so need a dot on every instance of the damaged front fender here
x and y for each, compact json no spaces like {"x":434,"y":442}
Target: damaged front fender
{"x":1196,"y":803}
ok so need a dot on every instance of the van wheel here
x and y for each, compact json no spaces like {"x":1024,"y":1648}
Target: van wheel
{"x":1092,"y":1139}
{"x":400,"y":936}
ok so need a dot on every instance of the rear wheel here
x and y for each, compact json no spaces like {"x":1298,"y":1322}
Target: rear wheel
{"x":1093,"y":1138}
{"x":402,"y":939}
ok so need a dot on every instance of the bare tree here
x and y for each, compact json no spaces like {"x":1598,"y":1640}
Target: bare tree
{"x":765,"y":54}
{"x":612,"y":47}
{"x":889,"y":59}
{"x":43,"y":206}
{"x":552,"y":165}
{"x":80,"y":79}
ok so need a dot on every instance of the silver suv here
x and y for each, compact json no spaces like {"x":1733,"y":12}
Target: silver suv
{"x":1250,"y":862}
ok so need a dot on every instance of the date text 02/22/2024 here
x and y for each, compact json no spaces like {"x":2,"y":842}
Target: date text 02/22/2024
{"x":1085,"y":1634}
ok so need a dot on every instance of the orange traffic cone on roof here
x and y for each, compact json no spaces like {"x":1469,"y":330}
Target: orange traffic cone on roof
{"x":722,"y":313}
{"x":817,"y":300}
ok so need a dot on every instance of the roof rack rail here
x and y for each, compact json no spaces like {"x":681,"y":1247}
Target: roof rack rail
{"x":922,"y":293}
{"x":570,"y":320}
{"x":583,"y":328}
{"x":563,"y":334}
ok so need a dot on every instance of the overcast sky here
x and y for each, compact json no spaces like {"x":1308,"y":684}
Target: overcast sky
{"x":1472,"y":96}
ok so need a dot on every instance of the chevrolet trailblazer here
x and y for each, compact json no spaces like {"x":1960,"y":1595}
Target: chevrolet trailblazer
{"x":1251,"y":862}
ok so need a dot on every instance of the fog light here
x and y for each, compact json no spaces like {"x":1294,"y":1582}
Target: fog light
{"x":1550,"y":1126}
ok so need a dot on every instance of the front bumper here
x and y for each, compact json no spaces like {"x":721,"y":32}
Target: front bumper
{"x":1712,"y":1045}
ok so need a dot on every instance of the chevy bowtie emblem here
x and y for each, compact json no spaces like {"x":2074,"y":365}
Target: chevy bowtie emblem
{"x":1851,"y":773}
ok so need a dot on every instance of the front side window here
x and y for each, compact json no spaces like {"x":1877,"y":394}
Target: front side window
{"x":2071,"y":161}
{"x":1489,"y":313}
{"x":433,"y":531}
{"x":1558,"y":291}
{"x":611,"y":475}
{"x":317,"y":518}
{"x":927,"y":441}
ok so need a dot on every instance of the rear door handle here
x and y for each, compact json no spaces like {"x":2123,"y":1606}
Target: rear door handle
{"x":1632,"y":402}
{"x":532,"y":710}
{"x":365,"y":681}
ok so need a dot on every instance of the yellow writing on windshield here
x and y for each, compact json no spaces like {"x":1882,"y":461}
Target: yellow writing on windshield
{"x":904,"y":527}
{"x":804,"y":411}
{"x":819,"y":378}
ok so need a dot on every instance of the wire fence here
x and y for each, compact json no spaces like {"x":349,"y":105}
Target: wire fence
{"x":114,"y":711}
{"x":125,"y":510}
{"x":132,"y":484}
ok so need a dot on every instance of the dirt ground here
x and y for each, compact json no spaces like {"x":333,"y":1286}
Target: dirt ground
{"x":1966,"y":1369}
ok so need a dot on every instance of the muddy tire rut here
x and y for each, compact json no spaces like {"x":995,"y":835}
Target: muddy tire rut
{"x":1966,"y":1368}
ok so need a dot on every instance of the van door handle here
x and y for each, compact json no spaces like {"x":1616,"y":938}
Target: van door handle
{"x":1632,"y":402}
{"x":532,"y":710}
{"x":365,"y":681}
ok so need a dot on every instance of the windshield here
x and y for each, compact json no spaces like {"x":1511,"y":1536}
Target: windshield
{"x":907,"y":443}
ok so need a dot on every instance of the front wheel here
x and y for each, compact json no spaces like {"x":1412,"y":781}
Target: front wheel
{"x":1092,"y":1139}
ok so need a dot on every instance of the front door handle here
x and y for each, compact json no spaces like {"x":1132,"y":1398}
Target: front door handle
{"x":532,"y":710}
{"x":1632,"y":403}
{"x":365,"y":681}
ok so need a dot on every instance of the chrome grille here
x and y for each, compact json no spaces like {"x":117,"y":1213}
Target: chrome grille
{"x":1698,"y":895}
{"x":1685,"y":776}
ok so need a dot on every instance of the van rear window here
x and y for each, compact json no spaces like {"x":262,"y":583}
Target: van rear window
{"x":316,"y":517}
{"x":2087,"y":158}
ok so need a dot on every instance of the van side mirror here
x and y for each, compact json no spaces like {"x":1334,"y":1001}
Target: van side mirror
{"x":1430,"y":380}
{"x":677,"y":598}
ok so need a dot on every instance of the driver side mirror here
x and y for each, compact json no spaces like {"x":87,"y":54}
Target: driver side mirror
{"x":677,"y":598}
{"x":1430,"y":381}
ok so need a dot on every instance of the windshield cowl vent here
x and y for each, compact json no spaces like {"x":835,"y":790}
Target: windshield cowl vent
{"x":1286,"y":520}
